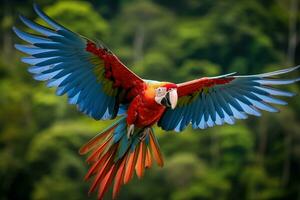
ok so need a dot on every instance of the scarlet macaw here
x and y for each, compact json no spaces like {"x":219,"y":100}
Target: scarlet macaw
{"x":102,"y":87}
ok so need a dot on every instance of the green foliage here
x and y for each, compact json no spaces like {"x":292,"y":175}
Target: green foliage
{"x":40,"y":133}
{"x":68,"y":13}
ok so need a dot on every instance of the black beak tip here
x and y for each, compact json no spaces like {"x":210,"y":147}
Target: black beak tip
{"x":166,"y":101}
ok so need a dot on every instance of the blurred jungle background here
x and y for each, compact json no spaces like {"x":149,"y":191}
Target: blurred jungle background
{"x":40,"y":134}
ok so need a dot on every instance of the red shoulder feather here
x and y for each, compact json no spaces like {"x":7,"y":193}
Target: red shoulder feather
{"x":117,"y":72}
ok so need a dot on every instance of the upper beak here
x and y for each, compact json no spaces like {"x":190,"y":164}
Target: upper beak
{"x":173,"y":97}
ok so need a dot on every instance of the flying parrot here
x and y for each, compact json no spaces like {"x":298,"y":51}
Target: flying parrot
{"x":101,"y":86}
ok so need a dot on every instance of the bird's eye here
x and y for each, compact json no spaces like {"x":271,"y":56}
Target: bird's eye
{"x":160,"y":91}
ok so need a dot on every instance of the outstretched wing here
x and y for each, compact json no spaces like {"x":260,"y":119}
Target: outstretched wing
{"x":92,"y":77}
{"x":207,"y":102}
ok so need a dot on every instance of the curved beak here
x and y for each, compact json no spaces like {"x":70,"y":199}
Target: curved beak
{"x":170,"y":100}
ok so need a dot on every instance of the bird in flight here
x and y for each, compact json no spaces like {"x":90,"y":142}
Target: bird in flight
{"x":101,"y":86}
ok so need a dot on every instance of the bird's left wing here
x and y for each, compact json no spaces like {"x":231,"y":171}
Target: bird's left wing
{"x":207,"y":102}
{"x":92,"y":77}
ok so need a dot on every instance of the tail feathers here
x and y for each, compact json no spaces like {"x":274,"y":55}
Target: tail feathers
{"x":140,"y":163}
{"x":94,"y":142}
{"x":113,"y":157}
{"x":156,"y":150}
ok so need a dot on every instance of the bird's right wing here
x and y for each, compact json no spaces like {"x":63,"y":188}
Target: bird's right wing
{"x":92,"y":77}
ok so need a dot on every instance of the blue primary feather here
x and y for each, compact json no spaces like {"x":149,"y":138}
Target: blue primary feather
{"x":238,"y":114}
{"x":276,"y":92}
{"x":239,"y":96}
{"x":224,"y":104}
{"x":217,"y":105}
{"x":273,"y":100}
{"x":49,"y":61}
{"x":253,"y":89}
{"x":64,"y":40}
{"x":249,"y":109}
{"x":47,"y":19}
{"x":45,"y":77}
{"x":211,"y":108}
{"x":205,"y":105}
{"x":74,"y":99}
{"x":85,"y":90}
{"x":85,"y":105}
{"x":98,"y":110}
{"x":201,"y":110}
{"x":171,"y":114}
{"x":30,"y":49}
{"x":277,"y":81}
{"x":219,"y":121}
{"x":67,"y":71}
{"x":79,"y":85}
{"x":247,"y":94}
{"x":56,"y":81}
{"x":33,"y":61}
{"x":51,"y":53}
{"x":52,"y":45}
{"x":202,"y":123}
{"x":195,"y":110}
{"x":209,"y":122}
{"x":32,"y":39}
{"x":229,"y":119}
{"x":186,"y":117}
{"x":39,"y":70}
{"x":71,"y":36}
{"x":263,"y":106}
{"x":176,"y":120}
{"x":57,"y":66}
{"x":37,"y":27}
{"x":231,"y":100}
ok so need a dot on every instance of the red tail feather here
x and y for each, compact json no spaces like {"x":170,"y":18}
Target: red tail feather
{"x":130,"y":165}
{"x":155,"y":150}
{"x":106,"y":166}
{"x":119,"y":177}
{"x":95,"y":167}
{"x":107,"y":181}
{"x":148,"y":161}
{"x":95,"y":141}
{"x":140,"y":163}
{"x":97,"y":153}
{"x":104,"y":169}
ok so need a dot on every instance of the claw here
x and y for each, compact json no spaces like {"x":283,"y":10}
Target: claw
{"x":145,"y":133}
{"x":130,"y":131}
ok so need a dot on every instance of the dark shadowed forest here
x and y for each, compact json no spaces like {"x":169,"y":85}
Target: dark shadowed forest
{"x":255,"y":159}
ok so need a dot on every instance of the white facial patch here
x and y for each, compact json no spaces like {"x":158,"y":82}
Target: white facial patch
{"x":160,"y":93}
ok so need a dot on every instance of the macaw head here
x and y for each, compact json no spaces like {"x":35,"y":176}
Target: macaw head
{"x":166,"y":95}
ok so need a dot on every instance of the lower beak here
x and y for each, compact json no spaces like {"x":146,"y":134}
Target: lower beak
{"x":172,"y":98}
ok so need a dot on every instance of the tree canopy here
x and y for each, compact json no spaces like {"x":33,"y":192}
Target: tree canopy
{"x":177,"y":41}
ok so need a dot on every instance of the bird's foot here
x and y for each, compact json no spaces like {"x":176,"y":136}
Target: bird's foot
{"x":144,"y":134}
{"x":130,"y":130}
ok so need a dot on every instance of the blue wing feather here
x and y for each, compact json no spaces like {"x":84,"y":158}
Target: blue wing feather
{"x":224,"y":103}
{"x":58,"y":56}
{"x":37,"y":27}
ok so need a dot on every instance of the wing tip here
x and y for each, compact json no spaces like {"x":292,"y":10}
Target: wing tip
{"x":36,"y":7}
{"x":15,"y":29}
{"x":17,"y":46}
{"x":18,"y":32}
